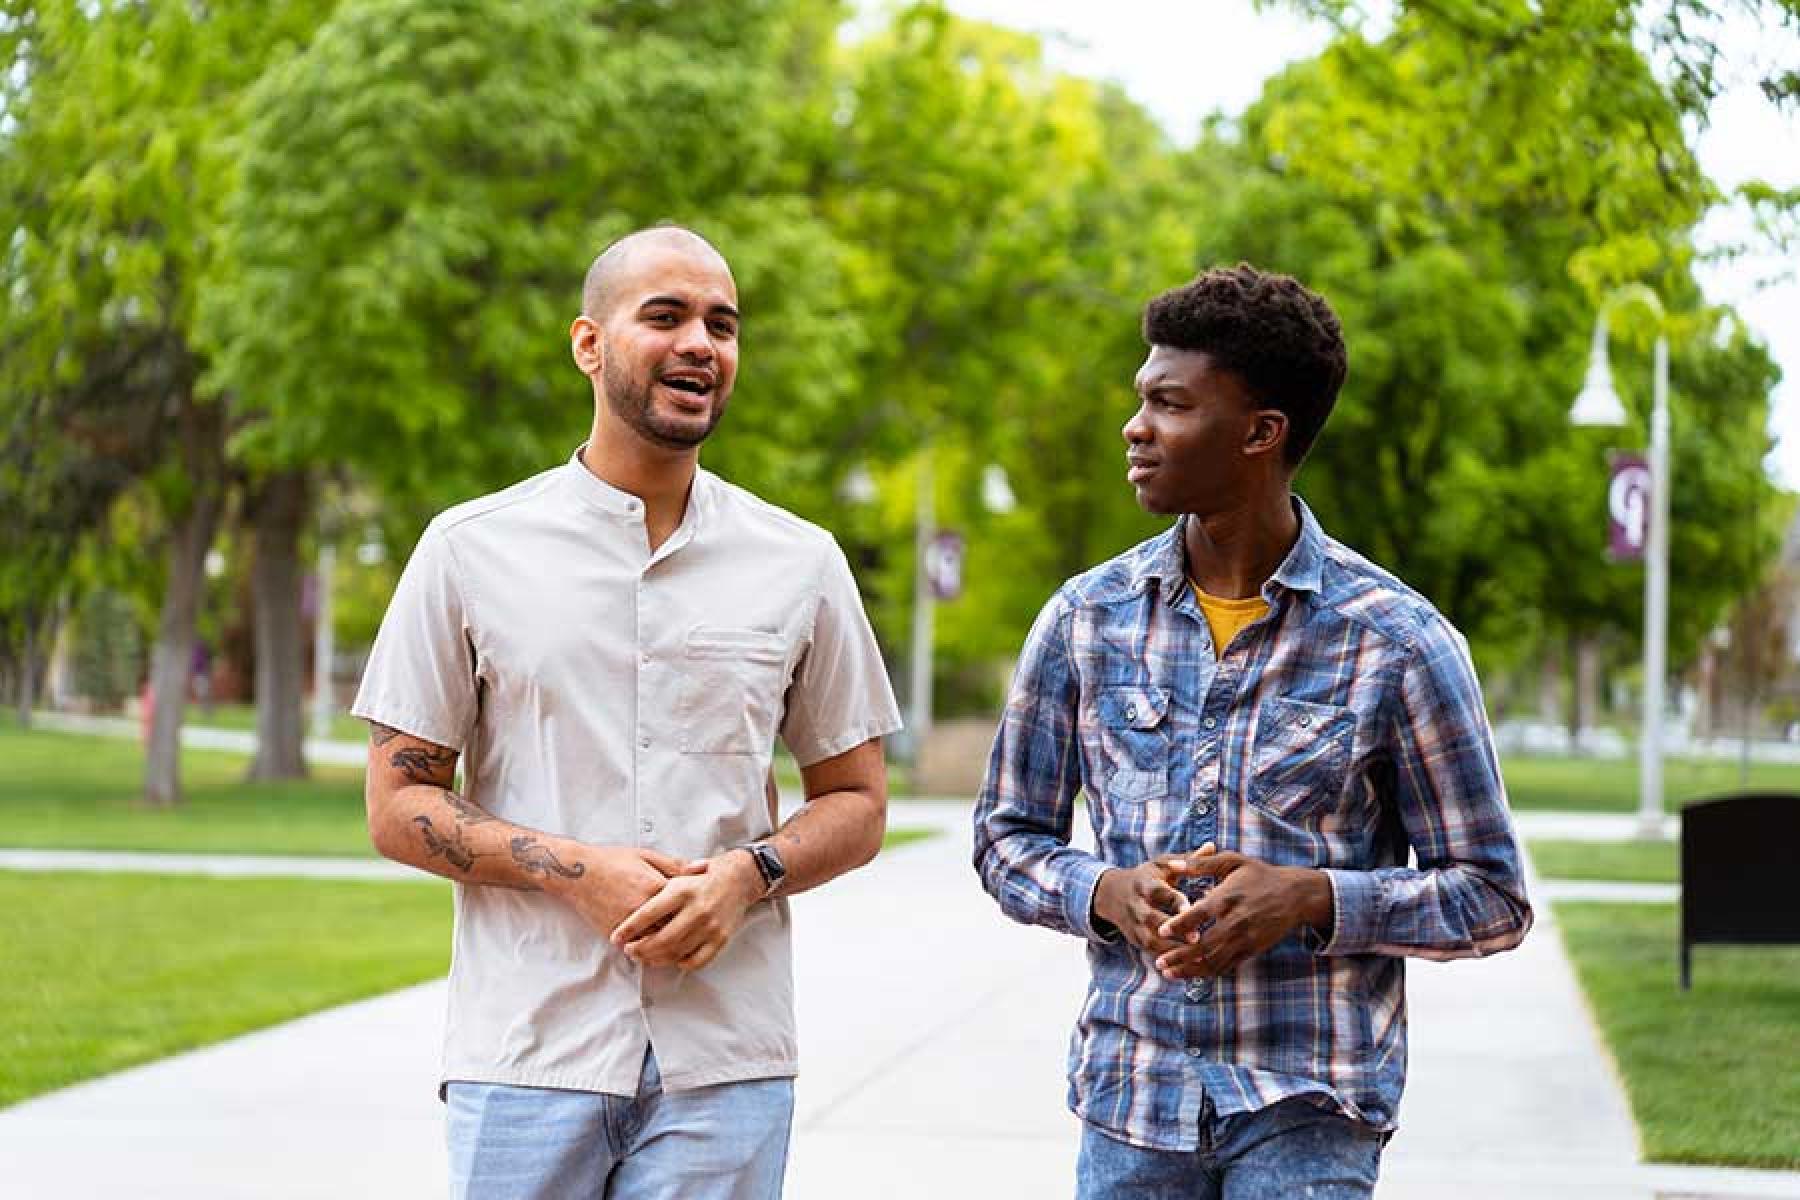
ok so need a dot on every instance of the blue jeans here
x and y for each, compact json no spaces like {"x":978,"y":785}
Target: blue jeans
{"x":1289,"y":1149}
{"x":726,"y":1142}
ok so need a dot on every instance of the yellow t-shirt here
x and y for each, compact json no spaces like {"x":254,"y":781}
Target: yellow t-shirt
{"x":1225,"y":617}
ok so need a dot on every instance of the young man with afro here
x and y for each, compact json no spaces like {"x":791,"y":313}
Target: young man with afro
{"x":1289,"y":774}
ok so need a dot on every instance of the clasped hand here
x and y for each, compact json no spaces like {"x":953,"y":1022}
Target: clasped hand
{"x":1251,"y":906}
{"x":694,"y":913}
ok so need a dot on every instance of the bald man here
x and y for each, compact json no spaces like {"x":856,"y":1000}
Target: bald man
{"x":609,"y":650}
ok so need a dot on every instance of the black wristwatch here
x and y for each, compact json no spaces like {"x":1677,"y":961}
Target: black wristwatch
{"x":768,"y":864}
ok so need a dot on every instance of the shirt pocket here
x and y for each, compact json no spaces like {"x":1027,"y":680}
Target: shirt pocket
{"x":1301,"y":756}
{"x":731,"y":688}
{"x":1134,"y":739}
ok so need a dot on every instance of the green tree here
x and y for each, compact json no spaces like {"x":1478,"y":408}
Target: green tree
{"x":422,"y":189}
{"x":418,"y":194}
{"x":106,"y":648}
{"x":1131,"y":231}
{"x":1508,"y":34}
{"x":1468,"y":282}
{"x":111,"y":156}
{"x":996,"y":270}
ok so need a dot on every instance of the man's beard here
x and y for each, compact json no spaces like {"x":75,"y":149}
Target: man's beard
{"x":630,"y":401}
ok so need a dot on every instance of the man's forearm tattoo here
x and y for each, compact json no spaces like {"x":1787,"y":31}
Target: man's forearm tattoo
{"x":452,"y":849}
{"x":467,"y":813}
{"x":423,"y":764}
{"x":381,"y":735}
{"x":535,"y":857}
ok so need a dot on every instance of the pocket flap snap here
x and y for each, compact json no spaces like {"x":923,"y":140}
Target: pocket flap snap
{"x":1302,"y":720}
{"x":1133,"y":706}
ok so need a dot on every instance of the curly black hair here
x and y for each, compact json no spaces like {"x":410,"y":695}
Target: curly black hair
{"x":1280,"y":338}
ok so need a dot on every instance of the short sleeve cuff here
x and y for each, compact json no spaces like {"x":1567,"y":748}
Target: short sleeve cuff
{"x":407,"y":720}
{"x":817,"y":750}
{"x":1083,"y":877}
{"x":1358,"y":909}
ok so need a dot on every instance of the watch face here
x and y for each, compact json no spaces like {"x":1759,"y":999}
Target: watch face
{"x":770,"y":864}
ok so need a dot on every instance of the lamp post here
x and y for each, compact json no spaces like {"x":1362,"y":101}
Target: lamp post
{"x":324,"y":647}
{"x":1598,"y":404}
{"x":924,"y":602}
{"x":937,"y":574}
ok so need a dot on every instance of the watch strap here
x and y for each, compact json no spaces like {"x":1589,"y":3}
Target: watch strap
{"x":768,"y":865}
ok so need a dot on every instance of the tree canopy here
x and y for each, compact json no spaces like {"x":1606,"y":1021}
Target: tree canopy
{"x":345,"y":242}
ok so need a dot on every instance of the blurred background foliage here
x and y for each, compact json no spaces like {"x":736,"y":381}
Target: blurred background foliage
{"x":302,"y":271}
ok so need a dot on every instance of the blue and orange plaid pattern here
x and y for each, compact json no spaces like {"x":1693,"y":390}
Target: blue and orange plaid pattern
{"x":1343,"y":731}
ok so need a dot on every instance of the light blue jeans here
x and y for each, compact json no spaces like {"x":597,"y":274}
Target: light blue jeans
{"x":1290,"y":1149}
{"x":726,"y":1142}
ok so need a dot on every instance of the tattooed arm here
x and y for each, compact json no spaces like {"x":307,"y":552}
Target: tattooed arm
{"x":416,"y":817}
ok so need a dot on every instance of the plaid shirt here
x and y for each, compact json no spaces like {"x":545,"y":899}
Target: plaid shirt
{"x":1341,"y":731}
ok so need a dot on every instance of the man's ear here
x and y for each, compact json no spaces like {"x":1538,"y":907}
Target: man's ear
{"x":584,"y":344}
{"x":1268,"y":432}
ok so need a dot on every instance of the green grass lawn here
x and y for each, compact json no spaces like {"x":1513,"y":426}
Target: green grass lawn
{"x":106,"y":971}
{"x":344,"y":727}
{"x":1625,"y":862}
{"x":1710,"y":1072}
{"x":80,"y":791}
{"x":1610,"y":785}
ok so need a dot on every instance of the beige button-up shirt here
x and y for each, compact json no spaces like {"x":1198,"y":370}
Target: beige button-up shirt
{"x":622,"y":697}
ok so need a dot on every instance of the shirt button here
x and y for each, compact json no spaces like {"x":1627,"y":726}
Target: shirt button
{"x":647,"y":825}
{"x":1131,"y":713}
{"x":1201,"y":808}
{"x":1210,"y":722}
{"x":1199,"y":991}
{"x":644,"y":658}
{"x":1306,"y":722}
{"x":632,"y":506}
{"x":644,"y":743}
{"x":1193,"y":1052}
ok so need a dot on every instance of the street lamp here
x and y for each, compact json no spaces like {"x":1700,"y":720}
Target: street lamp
{"x":937,"y":574}
{"x":1598,"y":404}
{"x":324,"y":702}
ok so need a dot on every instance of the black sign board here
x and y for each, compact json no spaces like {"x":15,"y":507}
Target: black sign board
{"x":1740,"y":872}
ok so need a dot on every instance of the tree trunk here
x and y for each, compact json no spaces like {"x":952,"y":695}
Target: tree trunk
{"x":1752,"y":702}
{"x":201,"y":447}
{"x":1550,"y":685}
{"x":27,"y":691}
{"x":1587,"y":686}
{"x":172,"y":660}
{"x":277,"y":512}
{"x":1706,"y":687}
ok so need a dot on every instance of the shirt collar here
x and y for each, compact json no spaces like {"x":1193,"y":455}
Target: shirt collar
{"x":1304,"y":567}
{"x":1165,"y":563}
{"x":596,"y":493}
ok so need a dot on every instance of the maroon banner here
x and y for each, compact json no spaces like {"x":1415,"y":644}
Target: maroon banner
{"x":1627,"y":505}
{"x":944,"y":564}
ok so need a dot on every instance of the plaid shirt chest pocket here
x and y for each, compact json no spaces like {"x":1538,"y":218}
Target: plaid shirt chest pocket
{"x":1301,"y":756}
{"x":1133,"y":721}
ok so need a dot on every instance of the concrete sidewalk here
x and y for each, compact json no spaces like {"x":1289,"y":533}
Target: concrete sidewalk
{"x":1551,"y":824}
{"x":933,"y":1035}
